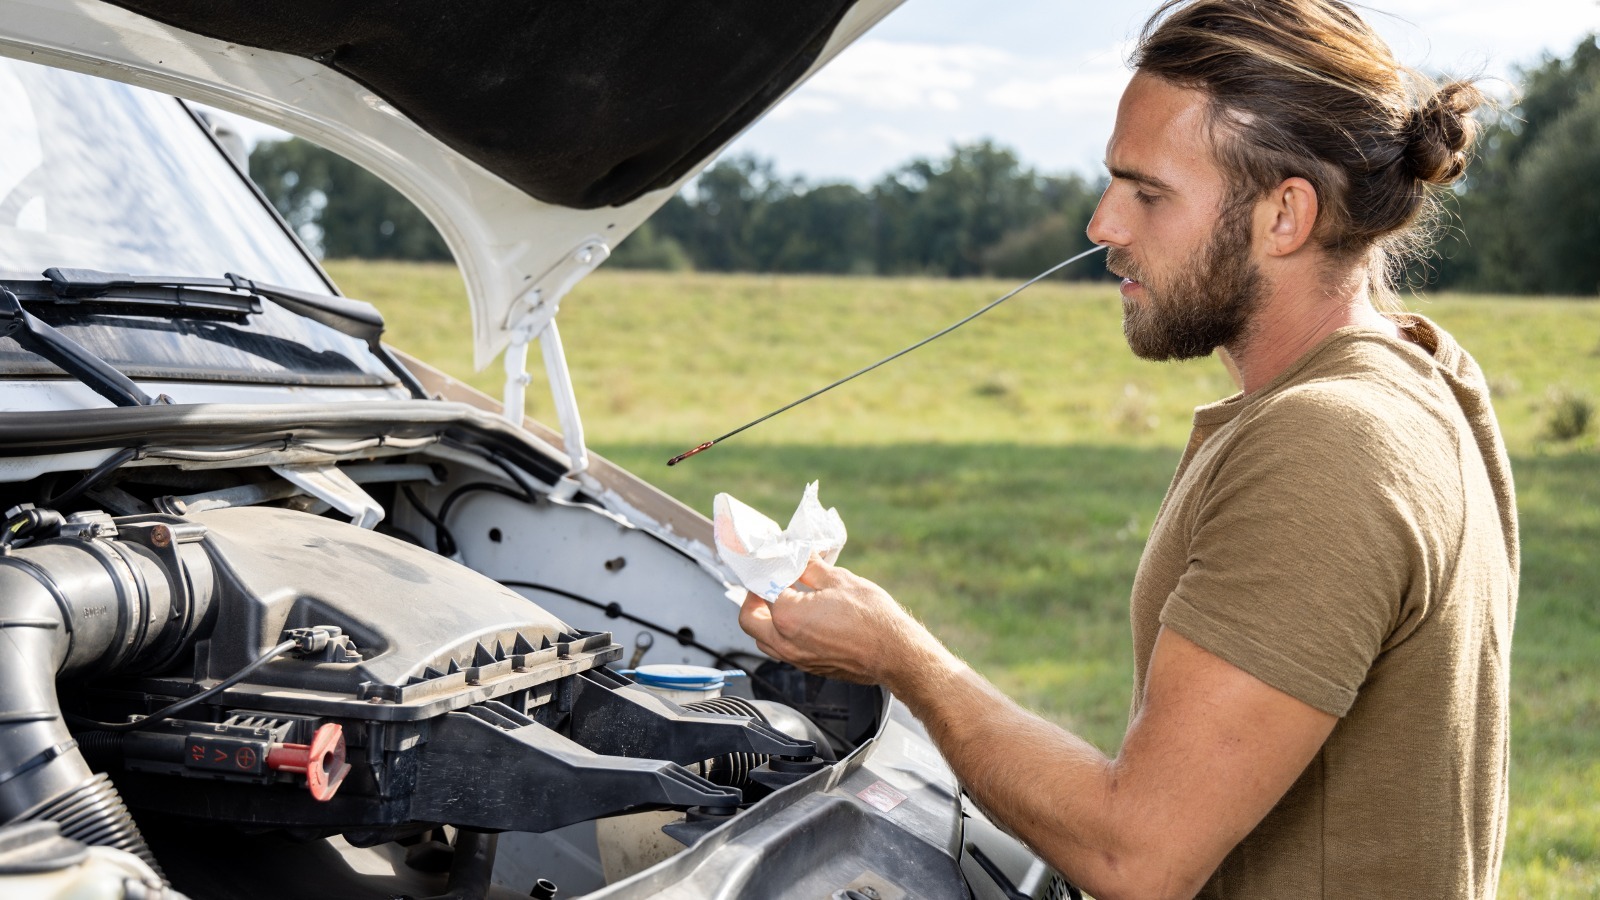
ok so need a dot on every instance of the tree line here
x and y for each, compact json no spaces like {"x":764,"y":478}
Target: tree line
{"x":1525,"y":220}
{"x":977,"y":211}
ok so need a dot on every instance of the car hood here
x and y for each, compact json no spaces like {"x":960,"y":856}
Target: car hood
{"x":534,"y":135}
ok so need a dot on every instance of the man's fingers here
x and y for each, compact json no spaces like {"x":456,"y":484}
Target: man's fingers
{"x":810,"y":575}
{"x":789,"y":595}
{"x":818,"y":574}
{"x":755,"y":617}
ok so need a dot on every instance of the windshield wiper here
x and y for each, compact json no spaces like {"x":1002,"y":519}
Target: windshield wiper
{"x":229,"y":295}
{"x":76,"y":360}
{"x":161,"y":297}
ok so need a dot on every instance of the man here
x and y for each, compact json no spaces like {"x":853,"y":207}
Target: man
{"x":1322,"y":616}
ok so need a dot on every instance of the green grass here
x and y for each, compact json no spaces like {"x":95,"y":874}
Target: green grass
{"x":1002,"y":480}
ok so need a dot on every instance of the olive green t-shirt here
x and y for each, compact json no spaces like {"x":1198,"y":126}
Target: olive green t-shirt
{"x":1347,"y":534}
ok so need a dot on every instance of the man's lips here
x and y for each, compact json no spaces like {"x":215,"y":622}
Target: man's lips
{"x":1119,"y":263}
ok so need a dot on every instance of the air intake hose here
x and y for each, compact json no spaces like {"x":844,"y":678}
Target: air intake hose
{"x":87,"y":605}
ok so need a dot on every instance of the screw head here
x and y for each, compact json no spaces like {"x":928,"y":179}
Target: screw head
{"x":161,"y":536}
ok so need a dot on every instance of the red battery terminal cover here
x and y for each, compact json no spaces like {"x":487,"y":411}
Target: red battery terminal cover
{"x":322,"y":760}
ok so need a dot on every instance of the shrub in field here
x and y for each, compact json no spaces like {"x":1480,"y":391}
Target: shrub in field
{"x":1570,"y":415}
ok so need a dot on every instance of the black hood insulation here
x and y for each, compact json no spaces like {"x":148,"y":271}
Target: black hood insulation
{"x":581,"y":105}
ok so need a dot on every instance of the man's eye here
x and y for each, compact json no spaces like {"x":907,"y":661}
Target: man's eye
{"x":1143,"y":198}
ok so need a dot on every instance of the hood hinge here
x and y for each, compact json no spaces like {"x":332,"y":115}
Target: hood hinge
{"x":532,"y":317}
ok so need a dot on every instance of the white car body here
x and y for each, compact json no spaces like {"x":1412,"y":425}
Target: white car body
{"x":240,"y":467}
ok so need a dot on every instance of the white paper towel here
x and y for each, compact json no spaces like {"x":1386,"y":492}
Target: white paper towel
{"x":765,"y":559}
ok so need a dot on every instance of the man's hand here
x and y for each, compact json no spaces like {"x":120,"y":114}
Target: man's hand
{"x":846,"y":627}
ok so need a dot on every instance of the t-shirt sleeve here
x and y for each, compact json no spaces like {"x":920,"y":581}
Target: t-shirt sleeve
{"x":1300,"y":552}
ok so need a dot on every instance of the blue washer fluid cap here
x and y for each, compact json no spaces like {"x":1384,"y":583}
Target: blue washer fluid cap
{"x":678,"y":676}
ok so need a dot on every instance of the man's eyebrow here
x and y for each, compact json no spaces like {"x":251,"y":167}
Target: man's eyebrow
{"x":1138,"y":177}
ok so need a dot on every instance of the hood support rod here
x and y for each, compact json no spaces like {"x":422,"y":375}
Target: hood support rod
{"x":537,"y":321}
{"x":555,"y":369}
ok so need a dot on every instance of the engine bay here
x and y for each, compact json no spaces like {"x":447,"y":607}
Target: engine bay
{"x":406,"y":656}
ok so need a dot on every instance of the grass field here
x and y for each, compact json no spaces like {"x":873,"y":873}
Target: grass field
{"x":1001,"y":481}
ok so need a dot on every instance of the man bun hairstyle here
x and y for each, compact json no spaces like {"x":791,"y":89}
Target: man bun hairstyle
{"x":1306,"y":88}
{"x":1440,"y":134}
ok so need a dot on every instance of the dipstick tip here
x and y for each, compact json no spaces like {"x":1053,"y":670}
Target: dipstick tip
{"x":688,"y":453}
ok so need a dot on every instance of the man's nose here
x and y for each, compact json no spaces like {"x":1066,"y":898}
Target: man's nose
{"x":1106,"y":227}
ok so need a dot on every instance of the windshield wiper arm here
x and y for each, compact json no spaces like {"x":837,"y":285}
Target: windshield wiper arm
{"x":76,"y":360}
{"x":138,"y":295}
{"x":229,"y":294}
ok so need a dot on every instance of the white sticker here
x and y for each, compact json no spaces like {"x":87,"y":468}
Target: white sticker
{"x":880,"y":796}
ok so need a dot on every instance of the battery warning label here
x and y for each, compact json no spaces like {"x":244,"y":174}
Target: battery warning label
{"x":225,"y":754}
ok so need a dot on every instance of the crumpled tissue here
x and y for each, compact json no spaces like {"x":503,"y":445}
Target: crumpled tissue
{"x":765,"y":559}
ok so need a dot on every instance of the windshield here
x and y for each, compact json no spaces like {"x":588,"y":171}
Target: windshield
{"x":95,"y":174}
{"x":100,"y":175}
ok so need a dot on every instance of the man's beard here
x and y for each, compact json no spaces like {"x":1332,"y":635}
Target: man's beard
{"x":1207,"y":304}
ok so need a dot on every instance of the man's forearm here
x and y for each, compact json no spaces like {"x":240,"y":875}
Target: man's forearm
{"x":1050,"y":788}
{"x":1210,"y":752}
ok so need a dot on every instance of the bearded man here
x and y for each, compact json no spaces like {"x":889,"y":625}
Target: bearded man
{"x":1322,"y":616}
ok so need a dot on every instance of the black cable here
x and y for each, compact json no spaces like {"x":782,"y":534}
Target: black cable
{"x":25,"y":523}
{"x":445,"y":539}
{"x":579,"y":500}
{"x":444,"y":542}
{"x":684,"y":636}
{"x":93,"y":476}
{"x":453,"y":496}
{"x":520,"y":473}
{"x":172,"y":709}
{"x":403,"y":535}
{"x":515,"y":474}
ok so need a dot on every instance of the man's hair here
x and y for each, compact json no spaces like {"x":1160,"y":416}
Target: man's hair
{"x":1305,"y":88}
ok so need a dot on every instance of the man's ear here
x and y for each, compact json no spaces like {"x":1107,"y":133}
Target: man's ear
{"x":1286,"y":216}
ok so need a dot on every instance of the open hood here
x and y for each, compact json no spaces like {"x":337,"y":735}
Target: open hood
{"x":535,"y":135}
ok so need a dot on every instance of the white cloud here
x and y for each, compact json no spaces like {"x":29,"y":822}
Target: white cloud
{"x":802,"y":104}
{"x":887,"y":136}
{"x":878,"y":74}
{"x":1043,"y":76}
{"x":1084,"y":87}
{"x":1467,"y":37}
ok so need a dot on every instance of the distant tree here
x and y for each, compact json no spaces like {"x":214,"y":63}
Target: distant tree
{"x":340,"y":209}
{"x":741,"y":215}
{"x":977,"y":211}
{"x":729,"y":199}
{"x":1555,"y":208}
{"x":942,"y":217}
{"x":647,"y":248}
{"x":827,"y":228}
{"x":1025,"y":252}
{"x":1509,"y":227}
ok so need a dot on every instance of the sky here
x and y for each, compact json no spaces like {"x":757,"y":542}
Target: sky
{"x":1043,"y":76}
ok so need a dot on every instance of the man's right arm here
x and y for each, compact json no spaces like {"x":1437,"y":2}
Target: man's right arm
{"x":1210,"y":753}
